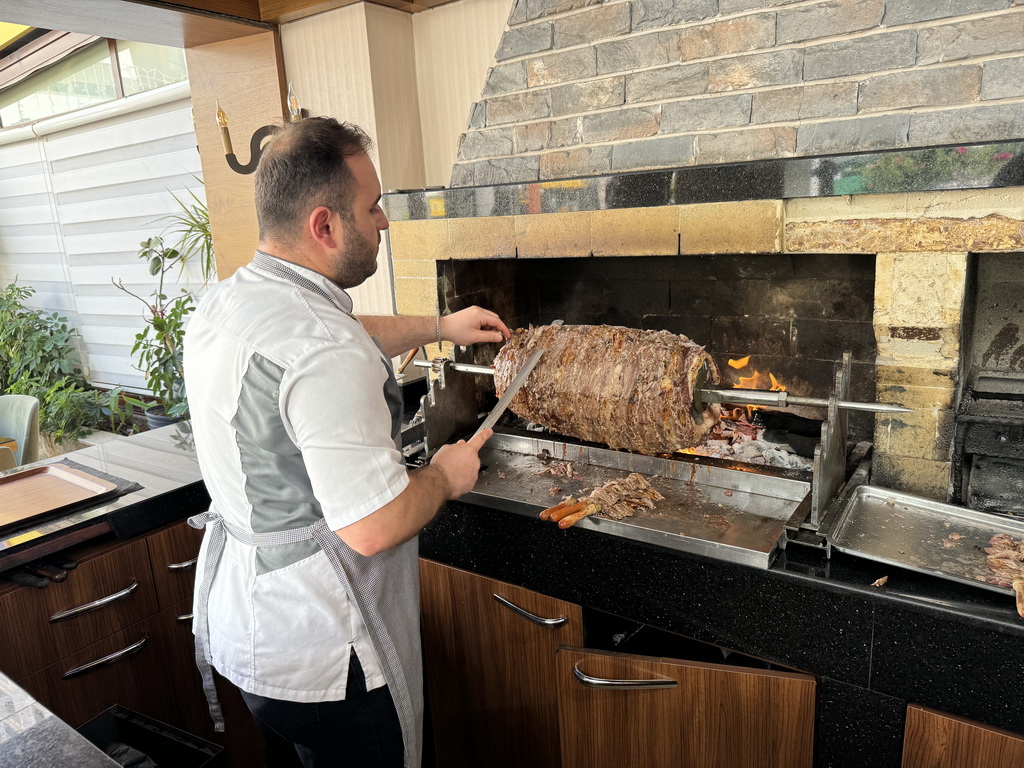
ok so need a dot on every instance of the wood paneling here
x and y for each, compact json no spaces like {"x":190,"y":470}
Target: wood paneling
{"x":936,"y":740}
{"x":161,"y":24}
{"x":243,"y":9}
{"x":455,"y":46}
{"x":247,"y":77}
{"x":489,"y":671}
{"x":96,"y":579}
{"x":717,"y":717}
{"x":140,"y":681}
{"x":282,"y":11}
{"x":176,"y":545}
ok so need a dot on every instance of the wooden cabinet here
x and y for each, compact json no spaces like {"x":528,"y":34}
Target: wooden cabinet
{"x":490,"y":668}
{"x":119,"y":631}
{"x":934,"y":739}
{"x":111,"y":589}
{"x":243,"y":742}
{"x":128,"y":668}
{"x":503,"y":690}
{"x":173,"y":553}
{"x":619,"y":710}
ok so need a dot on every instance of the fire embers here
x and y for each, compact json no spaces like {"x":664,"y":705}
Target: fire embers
{"x":623,"y":387}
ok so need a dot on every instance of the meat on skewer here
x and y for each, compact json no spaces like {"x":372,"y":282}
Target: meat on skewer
{"x":623,"y":387}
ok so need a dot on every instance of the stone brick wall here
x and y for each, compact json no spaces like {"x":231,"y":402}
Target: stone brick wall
{"x":585,"y":87}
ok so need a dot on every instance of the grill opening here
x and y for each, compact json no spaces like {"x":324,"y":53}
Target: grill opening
{"x":988,"y":460}
{"x":791,"y":316}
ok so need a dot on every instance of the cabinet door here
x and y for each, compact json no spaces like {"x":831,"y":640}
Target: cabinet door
{"x":616,"y":710}
{"x":127,"y":668}
{"x":936,"y":740}
{"x":490,"y":669}
{"x":242,"y":740}
{"x":172,"y":553}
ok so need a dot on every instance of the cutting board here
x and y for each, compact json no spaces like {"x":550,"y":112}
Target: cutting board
{"x":46,"y":492}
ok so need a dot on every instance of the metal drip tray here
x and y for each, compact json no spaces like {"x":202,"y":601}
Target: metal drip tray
{"x":738,"y":515}
{"x":921,"y":534}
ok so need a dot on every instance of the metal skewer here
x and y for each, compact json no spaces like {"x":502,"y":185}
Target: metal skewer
{"x":705,"y":395}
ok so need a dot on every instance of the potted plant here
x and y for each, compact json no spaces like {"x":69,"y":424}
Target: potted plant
{"x":158,"y":347}
{"x":38,"y":357}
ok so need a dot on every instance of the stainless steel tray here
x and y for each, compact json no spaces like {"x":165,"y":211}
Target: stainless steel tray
{"x":727,"y":514}
{"x":921,"y":534}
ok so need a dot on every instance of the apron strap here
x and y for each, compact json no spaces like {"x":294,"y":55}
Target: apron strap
{"x":218,"y":528}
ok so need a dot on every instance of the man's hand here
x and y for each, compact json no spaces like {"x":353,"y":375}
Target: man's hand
{"x":460,"y":463}
{"x":473,"y":326}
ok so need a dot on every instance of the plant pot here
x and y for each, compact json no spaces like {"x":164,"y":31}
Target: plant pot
{"x":156,"y":418}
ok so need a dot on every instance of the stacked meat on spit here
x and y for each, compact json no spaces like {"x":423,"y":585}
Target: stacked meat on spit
{"x":623,"y":387}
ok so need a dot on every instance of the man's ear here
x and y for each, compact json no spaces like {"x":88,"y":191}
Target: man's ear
{"x":325,"y":227}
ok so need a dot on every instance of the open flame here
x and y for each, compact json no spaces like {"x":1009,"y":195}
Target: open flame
{"x":757,"y":379}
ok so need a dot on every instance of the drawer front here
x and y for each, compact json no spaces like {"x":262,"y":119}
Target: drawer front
{"x":127,"y":668}
{"x":101,"y":596}
{"x":172,"y":553}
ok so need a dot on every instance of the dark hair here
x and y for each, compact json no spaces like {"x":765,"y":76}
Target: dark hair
{"x":303,"y":167}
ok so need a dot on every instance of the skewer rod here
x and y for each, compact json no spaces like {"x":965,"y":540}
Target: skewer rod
{"x":778,"y":399}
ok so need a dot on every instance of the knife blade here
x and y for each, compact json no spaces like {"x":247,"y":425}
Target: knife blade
{"x":513,"y":388}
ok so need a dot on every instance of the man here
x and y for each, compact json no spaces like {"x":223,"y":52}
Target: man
{"x":308,"y":596}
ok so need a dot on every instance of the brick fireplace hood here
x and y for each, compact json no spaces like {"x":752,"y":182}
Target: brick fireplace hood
{"x":922,"y":235}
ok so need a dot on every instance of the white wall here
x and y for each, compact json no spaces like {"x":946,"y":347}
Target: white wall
{"x":75,"y":204}
{"x":455,"y":47}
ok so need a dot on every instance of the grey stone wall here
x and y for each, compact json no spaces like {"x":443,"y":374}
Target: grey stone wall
{"x":585,"y":87}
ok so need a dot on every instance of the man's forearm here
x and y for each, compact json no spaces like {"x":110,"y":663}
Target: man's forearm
{"x":400,"y":333}
{"x":403,"y":517}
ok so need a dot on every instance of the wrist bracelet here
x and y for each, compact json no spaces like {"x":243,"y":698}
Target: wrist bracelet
{"x":438,"y":328}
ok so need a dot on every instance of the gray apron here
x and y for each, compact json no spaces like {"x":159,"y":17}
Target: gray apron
{"x":384,"y":588}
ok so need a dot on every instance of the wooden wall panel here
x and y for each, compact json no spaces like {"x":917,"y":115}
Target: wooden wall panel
{"x":246,"y":75}
{"x":160,"y":24}
{"x":455,"y":46}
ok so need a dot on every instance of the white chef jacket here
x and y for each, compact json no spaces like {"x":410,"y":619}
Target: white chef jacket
{"x":290,"y":422}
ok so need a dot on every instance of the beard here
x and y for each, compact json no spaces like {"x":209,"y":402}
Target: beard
{"x":357,"y":261}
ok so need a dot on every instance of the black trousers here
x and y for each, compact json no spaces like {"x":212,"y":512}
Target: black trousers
{"x":361,"y":731}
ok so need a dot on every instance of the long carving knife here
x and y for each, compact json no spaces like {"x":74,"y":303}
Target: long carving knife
{"x":513,"y":388}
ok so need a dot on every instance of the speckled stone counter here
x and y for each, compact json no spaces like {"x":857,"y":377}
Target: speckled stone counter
{"x":32,"y":737}
{"x":917,"y":640}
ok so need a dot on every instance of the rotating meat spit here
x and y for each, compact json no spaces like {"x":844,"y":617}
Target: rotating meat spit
{"x":449,"y":411}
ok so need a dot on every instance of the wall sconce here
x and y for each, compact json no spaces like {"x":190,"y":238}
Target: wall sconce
{"x":295,"y":114}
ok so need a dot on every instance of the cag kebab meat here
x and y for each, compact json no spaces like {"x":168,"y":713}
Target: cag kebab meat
{"x":624,"y":387}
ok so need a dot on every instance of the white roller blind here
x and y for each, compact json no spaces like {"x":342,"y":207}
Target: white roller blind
{"x":75,"y":205}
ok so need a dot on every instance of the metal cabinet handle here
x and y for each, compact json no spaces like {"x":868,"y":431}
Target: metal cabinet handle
{"x":182,"y":566}
{"x":108,"y":659}
{"x":79,"y":610}
{"x":621,"y":685}
{"x":529,"y":616}
{"x":184,"y":617}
